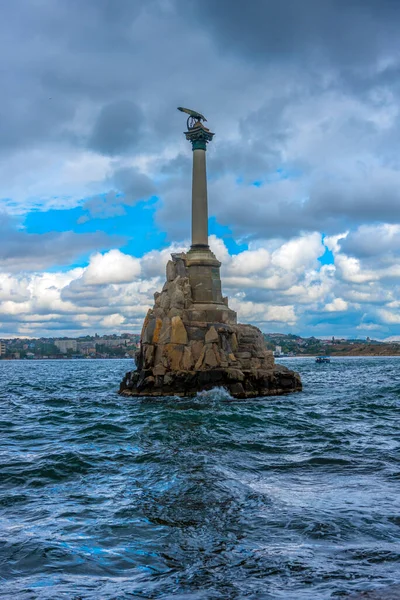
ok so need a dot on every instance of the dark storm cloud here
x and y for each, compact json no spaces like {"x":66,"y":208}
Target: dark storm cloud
{"x":134,"y":185}
{"x":130,"y":186}
{"x":57,"y":55}
{"x":118,"y":128}
{"x":107,"y":76}
{"x":347,"y":32}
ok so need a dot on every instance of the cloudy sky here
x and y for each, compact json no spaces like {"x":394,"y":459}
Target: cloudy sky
{"x":304,"y":169}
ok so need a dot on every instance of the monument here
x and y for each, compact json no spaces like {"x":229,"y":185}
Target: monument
{"x":190,"y":340}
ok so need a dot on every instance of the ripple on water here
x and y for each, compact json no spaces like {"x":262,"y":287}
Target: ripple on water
{"x":290,"y":497}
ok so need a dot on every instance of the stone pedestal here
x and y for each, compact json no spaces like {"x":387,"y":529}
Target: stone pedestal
{"x":204,"y":278}
{"x":191,"y":342}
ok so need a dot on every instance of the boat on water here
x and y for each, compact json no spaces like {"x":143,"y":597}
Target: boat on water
{"x":322,"y":359}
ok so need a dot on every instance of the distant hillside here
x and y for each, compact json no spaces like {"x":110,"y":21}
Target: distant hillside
{"x":364,"y":349}
{"x":294,"y":345}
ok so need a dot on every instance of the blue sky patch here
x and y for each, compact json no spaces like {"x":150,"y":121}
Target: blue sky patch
{"x":327,"y":258}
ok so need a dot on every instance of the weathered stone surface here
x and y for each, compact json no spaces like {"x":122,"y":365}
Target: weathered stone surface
{"x":180,"y":264}
{"x":210,"y":358}
{"x":159,"y":370}
{"x":168,"y":379}
{"x":188,"y":347}
{"x":222,"y":356}
{"x":145,"y":323}
{"x":237,"y":390}
{"x":148,"y":381}
{"x":177,"y":298}
{"x":187,"y":292}
{"x":196,"y":333}
{"x":165,"y":301}
{"x":174,"y":354}
{"x":268,"y":362}
{"x":187,"y":359}
{"x":226,"y":343}
{"x":148,"y":333}
{"x":158,"y":312}
{"x":165,"y":333}
{"x":178,"y":331}
{"x":198,"y":315}
{"x":148,"y":356}
{"x":159,"y":355}
{"x":211,"y":335}
{"x":171,"y":271}
{"x":200,"y":360}
{"x":235,"y":374}
{"x":157,"y":330}
{"x":243,"y":355}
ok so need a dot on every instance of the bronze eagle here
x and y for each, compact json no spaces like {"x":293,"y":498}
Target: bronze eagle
{"x":192,"y":113}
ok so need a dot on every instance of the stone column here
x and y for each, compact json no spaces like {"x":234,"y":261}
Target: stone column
{"x":199,"y":136}
{"x":199,"y":199}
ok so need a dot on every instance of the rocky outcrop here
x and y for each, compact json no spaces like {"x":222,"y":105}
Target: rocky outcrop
{"x":188,"y":347}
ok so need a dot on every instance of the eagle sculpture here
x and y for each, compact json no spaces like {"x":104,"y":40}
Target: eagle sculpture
{"x":192,"y":113}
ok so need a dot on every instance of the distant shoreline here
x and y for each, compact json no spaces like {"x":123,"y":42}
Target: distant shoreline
{"x":344,"y":355}
{"x":277,"y":358}
{"x":63,"y":358}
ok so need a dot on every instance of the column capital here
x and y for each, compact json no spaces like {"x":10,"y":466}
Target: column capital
{"x":199,"y":136}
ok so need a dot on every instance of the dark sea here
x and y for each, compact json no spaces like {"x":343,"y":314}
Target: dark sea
{"x":103,"y":497}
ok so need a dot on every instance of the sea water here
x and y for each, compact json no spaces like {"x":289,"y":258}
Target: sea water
{"x":104,"y":497}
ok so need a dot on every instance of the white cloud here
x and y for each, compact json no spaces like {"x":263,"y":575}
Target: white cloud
{"x":337,"y":305}
{"x":111,"y":267}
{"x":279,"y":285}
{"x":299,"y":253}
{"x":351,"y":270}
{"x":332,"y":242}
{"x":112,"y":321}
{"x":389,"y":317}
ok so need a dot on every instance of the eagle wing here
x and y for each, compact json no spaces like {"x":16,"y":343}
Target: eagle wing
{"x":192,"y":113}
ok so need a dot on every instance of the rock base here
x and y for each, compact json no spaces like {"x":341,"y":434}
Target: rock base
{"x":189,"y":346}
{"x":239,"y":384}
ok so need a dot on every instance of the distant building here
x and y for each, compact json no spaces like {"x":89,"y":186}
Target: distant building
{"x":116,"y":343}
{"x":87,"y":347}
{"x":278,"y":351}
{"x":65,"y":345}
{"x":2,"y":348}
